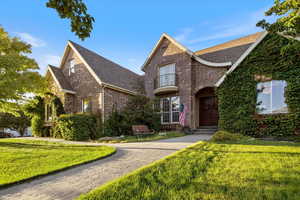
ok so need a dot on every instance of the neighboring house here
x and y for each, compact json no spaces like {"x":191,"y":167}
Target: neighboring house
{"x":86,"y":81}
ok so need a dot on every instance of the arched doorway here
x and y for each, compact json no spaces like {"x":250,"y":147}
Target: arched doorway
{"x":208,"y":107}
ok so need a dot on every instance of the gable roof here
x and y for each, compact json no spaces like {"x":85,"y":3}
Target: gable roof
{"x":60,"y":79}
{"x":230,"y":54}
{"x":242,"y":57}
{"x":105,"y":71}
{"x":246,"y":53}
{"x":189,"y":52}
{"x":246,"y":40}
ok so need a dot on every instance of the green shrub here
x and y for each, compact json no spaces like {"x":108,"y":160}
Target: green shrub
{"x":116,"y":125}
{"x":139,"y":110}
{"x":55,"y":132}
{"x":76,"y":127}
{"x":222,"y":136}
{"x":37,"y":124}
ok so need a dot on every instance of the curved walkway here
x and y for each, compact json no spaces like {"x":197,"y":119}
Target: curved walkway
{"x":70,"y":183}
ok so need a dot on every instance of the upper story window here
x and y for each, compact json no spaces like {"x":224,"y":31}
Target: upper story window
{"x":271,"y":98}
{"x":86,"y":105}
{"x":167,"y":75}
{"x":72,"y":67}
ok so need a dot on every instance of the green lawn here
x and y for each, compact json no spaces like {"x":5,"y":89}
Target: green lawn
{"x":24,"y":159}
{"x":146,"y":138}
{"x":253,"y":170}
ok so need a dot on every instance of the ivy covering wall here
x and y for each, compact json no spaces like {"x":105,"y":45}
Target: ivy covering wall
{"x":238,"y":93}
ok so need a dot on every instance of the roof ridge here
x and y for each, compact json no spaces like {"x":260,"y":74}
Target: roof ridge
{"x":53,"y":66}
{"x":117,"y":65}
{"x":224,"y":49}
{"x":251,"y":38}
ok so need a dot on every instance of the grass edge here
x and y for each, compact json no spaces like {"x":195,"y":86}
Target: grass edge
{"x":109,"y":183}
{"x":7,"y":185}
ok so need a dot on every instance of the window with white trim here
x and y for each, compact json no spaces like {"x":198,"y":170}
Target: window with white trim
{"x":86,"y":105}
{"x":167,"y":75}
{"x":72,"y":67}
{"x":271,"y":98}
{"x":170,"y":109}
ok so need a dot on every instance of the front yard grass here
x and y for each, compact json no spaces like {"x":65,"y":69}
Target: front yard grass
{"x":25,"y":159}
{"x":207,"y":170}
{"x":156,"y":136}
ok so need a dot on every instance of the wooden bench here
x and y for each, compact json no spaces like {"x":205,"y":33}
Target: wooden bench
{"x":140,"y":130}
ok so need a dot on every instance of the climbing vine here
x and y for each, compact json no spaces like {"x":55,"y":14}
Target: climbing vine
{"x":36,"y":108}
{"x":238,"y":94}
{"x":55,"y":103}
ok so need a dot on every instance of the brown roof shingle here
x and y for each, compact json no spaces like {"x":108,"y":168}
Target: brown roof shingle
{"x":226,"y":55}
{"x":108,"y":71}
{"x":232,"y":43}
{"x":63,"y":82}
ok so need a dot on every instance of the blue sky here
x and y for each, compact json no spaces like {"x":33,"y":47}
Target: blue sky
{"x":126,"y":31}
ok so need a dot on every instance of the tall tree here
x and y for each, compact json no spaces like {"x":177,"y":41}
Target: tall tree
{"x":76,"y":11}
{"x":18,"y":75}
{"x":288,"y":21}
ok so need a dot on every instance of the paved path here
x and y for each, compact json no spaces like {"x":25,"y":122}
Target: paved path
{"x":70,"y":183}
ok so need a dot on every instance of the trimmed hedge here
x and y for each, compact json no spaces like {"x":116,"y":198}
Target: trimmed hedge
{"x":139,"y":110}
{"x":76,"y":127}
{"x":237,"y":95}
{"x":224,"y":136}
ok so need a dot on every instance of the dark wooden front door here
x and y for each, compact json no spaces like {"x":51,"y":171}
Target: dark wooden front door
{"x":208,"y":111}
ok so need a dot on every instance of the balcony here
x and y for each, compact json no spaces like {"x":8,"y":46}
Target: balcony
{"x":165,"y":83}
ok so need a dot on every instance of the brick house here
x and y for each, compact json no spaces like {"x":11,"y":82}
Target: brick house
{"x":88,"y":82}
{"x":179,"y":76}
{"x":85,"y":81}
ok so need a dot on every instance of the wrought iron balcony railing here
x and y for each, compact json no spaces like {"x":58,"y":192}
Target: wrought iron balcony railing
{"x":165,"y":80}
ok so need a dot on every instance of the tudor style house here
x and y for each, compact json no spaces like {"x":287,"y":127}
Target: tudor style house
{"x":87,"y":82}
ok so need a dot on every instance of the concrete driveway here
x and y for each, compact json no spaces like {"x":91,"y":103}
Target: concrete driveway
{"x":70,"y":183}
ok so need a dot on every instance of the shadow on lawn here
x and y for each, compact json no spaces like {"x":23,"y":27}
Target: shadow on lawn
{"x":253,"y":152}
{"x":260,"y":190}
{"x":259,"y":143}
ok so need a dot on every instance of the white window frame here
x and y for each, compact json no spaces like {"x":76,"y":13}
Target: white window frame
{"x":172,"y":82}
{"x":171,"y":112}
{"x":271,"y":112}
{"x":72,"y":67}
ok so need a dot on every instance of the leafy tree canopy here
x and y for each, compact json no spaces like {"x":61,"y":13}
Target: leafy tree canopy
{"x":288,"y":21}
{"x":18,"y":75}
{"x":76,"y":11}
{"x":17,"y":123}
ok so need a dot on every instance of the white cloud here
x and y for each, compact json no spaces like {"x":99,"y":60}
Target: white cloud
{"x":237,"y":28}
{"x":222,"y":29}
{"x":34,"y":41}
{"x":44,"y":60}
{"x":185,"y":33}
